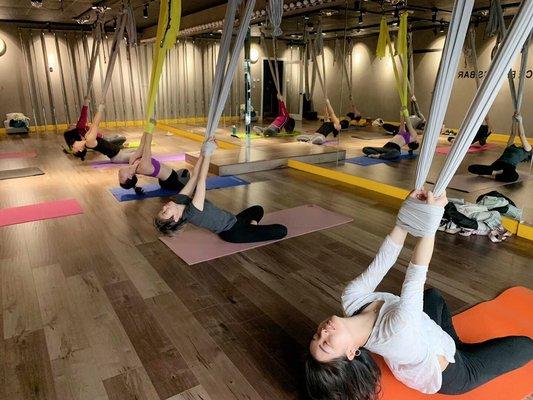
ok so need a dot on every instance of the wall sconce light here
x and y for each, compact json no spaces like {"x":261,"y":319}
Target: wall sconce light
{"x":254,"y":55}
{"x":3,"y":47}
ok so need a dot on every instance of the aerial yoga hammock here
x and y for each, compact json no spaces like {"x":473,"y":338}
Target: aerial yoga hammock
{"x":331,"y":123}
{"x":355,"y":117}
{"x":190,"y":204}
{"x":168,"y":25}
{"x":506,"y":164}
{"x":417,"y":325}
{"x":470,"y":55}
{"x":142,"y":162}
{"x":406,"y":135}
{"x":283,"y":120}
{"x":83,"y":137}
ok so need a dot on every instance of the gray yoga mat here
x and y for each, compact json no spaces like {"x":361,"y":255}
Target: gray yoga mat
{"x":20,"y":173}
{"x":365,"y":135}
{"x":469,"y":183}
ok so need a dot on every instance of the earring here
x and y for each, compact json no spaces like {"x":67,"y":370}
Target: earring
{"x":357,"y":353}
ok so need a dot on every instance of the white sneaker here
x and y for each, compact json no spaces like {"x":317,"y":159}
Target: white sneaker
{"x":452,"y":228}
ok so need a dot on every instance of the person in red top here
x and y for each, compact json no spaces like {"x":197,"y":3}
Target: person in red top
{"x":282,"y":121}
{"x":83,"y":125}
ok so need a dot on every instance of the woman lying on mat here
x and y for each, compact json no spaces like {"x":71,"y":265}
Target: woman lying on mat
{"x":393,"y":149}
{"x":416,"y":122}
{"x":507,"y":163}
{"x":191,"y":206}
{"x":354,"y":117}
{"x":79,"y":144}
{"x":413,"y":332}
{"x":169,"y":178}
{"x":481,"y":135}
{"x":82,"y":127}
{"x":331,"y":124}
{"x":282,"y":121}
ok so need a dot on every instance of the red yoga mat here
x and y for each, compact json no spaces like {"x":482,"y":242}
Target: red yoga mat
{"x":195,"y":245}
{"x":511,"y":313}
{"x":471,"y":149}
{"x":17,"y":154}
{"x":39,"y":211}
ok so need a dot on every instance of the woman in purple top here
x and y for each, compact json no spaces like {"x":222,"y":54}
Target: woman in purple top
{"x":393,"y":148}
{"x":169,"y":178}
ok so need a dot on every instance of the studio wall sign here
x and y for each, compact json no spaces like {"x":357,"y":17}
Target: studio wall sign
{"x":467,"y":74}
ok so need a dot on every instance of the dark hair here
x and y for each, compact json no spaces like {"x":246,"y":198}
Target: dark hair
{"x":168,"y":227}
{"x":351,"y":115}
{"x":289,"y":125}
{"x":71,"y":136}
{"x":413,"y":145}
{"x":345,"y":124}
{"x":131,"y":183}
{"x":343,"y":379}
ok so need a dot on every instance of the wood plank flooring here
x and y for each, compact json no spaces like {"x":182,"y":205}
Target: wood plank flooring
{"x":94,"y":306}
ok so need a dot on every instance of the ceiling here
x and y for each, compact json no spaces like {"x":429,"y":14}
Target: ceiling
{"x":343,"y":13}
{"x":64,"y":12}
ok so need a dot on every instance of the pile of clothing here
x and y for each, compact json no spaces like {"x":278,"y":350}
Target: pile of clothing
{"x":16,"y":120}
{"x":482,"y":218}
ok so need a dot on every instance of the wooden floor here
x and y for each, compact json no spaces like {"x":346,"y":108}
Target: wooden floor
{"x":94,"y":306}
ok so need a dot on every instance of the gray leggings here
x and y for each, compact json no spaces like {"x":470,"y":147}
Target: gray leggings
{"x":475,"y":363}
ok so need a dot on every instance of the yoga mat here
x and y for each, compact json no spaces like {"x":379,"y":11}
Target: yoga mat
{"x":469,"y":183}
{"x":103,"y":164}
{"x":364,"y":135}
{"x":154,"y":190}
{"x":366,"y":161}
{"x":39,"y":211}
{"x":254,"y":135}
{"x":508,"y":314}
{"x":471,"y":149}
{"x":17,"y":154}
{"x":20,"y":173}
{"x":194,"y":245}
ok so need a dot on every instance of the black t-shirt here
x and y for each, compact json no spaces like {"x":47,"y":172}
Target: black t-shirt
{"x":107,"y":149}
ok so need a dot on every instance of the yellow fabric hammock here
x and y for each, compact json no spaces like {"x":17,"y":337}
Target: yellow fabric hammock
{"x":168,"y":25}
{"x":384,"y":43}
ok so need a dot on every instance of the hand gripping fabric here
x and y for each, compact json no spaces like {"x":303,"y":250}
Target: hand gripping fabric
{"x":419,"y":219}
{"x":168,"y":25}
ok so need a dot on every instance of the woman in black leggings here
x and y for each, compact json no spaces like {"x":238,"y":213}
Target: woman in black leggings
{"x":197,"y":210}
{"x":413,"y":332}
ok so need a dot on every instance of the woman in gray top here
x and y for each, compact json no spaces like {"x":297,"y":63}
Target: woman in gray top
{"x":413,"y":332}
{"x":191,"y":206}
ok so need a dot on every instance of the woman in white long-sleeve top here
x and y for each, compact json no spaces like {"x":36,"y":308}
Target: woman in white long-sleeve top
{"x":413,"y":332}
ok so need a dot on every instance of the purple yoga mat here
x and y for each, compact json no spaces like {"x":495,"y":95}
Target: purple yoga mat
{"x":101,"y":164}
{"x":195,"y":245}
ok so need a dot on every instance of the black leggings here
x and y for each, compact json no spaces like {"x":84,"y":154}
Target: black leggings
{"x":390,"y":151}
{"x":508,"y":173}
{"x":475,"y":363}
{"x":245,"y":232}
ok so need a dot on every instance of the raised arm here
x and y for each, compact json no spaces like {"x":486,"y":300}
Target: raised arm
{"x":190,"y":187}
{"x":386,"y":257}
{"x":90,"y":137}
{"x":333,"y":116}
{"x":523,"y":139}
{"x":354,"y":108}
{"x":412,"y":294}
{"x":199,"y":195}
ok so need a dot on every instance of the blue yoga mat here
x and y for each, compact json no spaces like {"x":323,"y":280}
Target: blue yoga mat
{"x":154,"y":190}
{"x":365,"y":161}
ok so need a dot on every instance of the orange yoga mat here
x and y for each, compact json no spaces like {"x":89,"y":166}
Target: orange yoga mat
{"x":511,"y":313}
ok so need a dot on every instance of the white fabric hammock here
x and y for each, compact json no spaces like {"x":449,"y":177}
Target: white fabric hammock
{"x":225,"y":70}
{"x":511,"y":45}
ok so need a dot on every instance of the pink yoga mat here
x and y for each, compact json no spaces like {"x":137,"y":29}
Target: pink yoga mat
{"x":471,"y":149}
{"x":17,"y":154}
{"x":39,"y":211}
{"x":195,"y":245}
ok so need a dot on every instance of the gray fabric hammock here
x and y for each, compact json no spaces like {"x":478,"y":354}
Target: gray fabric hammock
{"x":226,"y":64}
{"x":511,"y":45}
{"x":418,"y":218}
